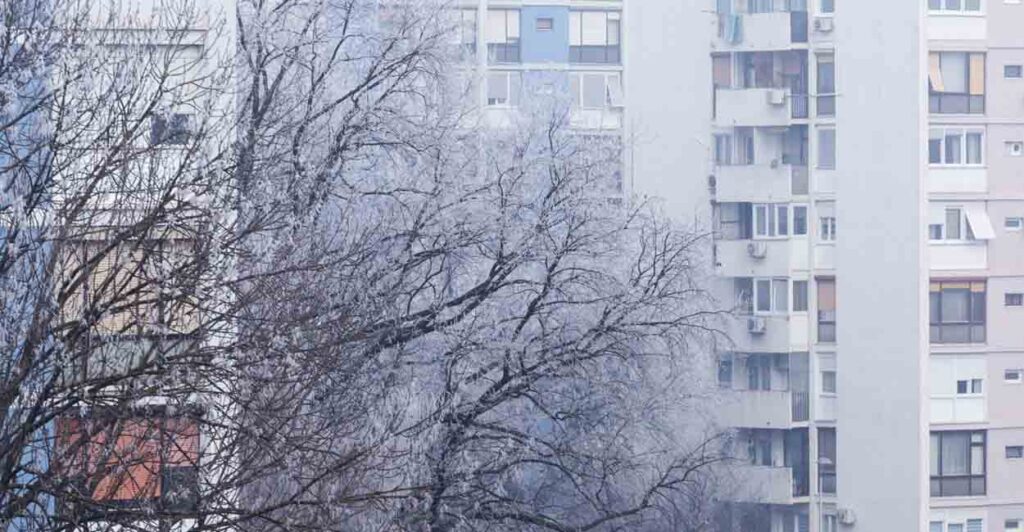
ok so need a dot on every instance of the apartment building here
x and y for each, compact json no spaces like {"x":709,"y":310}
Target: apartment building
{"x":866,"y":180}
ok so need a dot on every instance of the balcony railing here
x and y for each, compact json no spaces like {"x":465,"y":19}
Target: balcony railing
{"x":610,"y":54}
{"x":957,"y":333}
{"x":503,"y":53}
{"x":953,"y":103}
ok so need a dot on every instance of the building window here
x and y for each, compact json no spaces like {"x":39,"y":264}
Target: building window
{"x":503,"y":36}
{"x":545,"y":24}
{"x":759,"y":372}
{"x":826,"y":148}
{"x":169,"y":129}
{"x":771,"y":295}
{"x":1014,"y":452}
{"x":799,"y":296}
{"x":467,"y":29}
{"x":725,"y":371}
{"x":827,"y":460}
{"x":594,"y":37}
{"x":826,"y":101}
{"x":959,"y":224}
{"x":503,"y":89}
{"x":799,"y":220}
{"x":154,"y":459}
{"x":1014,"y":299}
{"x":596,"y":90}
{"x":1013,"y":376}
{"x":956,"y":82}
{"x":771,"y":220}
{"x":956,"y":147}
{"x":735,"y":149}
{"x":827,"y":6}
{"x":1013,"y":223}
{"x":827,"y":229}
{"x":1014,"y":148}
{"x":829,"y":523}
{"x":826,"y":310}
{"x":828,"y":382}
{"x":957,"y":312}
{"x":1012,"y":525}
{"x":957,"y":463}
{"x":969,"y":387}
{"x":1013,"y":71}
{"x":955,"y":6}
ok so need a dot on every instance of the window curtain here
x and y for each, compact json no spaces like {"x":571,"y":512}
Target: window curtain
{"x":935,"y":72}
{"x":954,"y":72}
{"x":955,"y":454}
{"x":721,"y":66}
{"x":977,"y":74}
{"x":955,"y":303}
{"x":826,"y":294}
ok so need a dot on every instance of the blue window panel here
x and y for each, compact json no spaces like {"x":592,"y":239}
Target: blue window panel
{"x":545,"y":45}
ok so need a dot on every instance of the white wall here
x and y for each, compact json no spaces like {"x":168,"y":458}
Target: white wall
{"x":881,"y":264}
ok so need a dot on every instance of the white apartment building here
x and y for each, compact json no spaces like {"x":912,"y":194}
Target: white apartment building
{"x":867,"y":178}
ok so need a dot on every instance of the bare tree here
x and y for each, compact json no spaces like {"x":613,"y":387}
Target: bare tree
{"x":294,"y":283}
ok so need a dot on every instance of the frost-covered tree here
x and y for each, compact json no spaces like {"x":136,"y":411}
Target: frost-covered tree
{"x":274,"y":269}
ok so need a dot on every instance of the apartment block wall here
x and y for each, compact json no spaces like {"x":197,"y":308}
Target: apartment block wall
{"x":881,"y":267}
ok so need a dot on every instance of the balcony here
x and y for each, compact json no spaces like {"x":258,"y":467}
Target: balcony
{"x":758,"y":409}
{"x":775,"y":336}
{"x":763,"y":484}
{"x":757,"y":107}
{"x":759,"y":183}
{"x":761,"y":31}
{"x":957,"y":179}
{"x":967,"y":255}
{"x":609,"y":118}
{"x":760,"y":258}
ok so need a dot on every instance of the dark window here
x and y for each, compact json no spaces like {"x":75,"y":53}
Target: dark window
{"x":1014,"y":299}
{"x":169,"y":129}
{"x":957,"y":463}
{"x":545,"y":24}
{"x":956,"y":83}
{"x":1014,"y":451}
{"x":1013,"y":71}
{"x":957,"y":312}
{"x":759,"y":372}
{"x":725,"y":371}
{"x":827,"y":460}
{"x":799,"y":296}
{"x":826,"y":310}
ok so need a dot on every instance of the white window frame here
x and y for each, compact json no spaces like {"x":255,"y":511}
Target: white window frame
{"x":511,"y":31}
{"x":966,"y":231}
{"x":1017,"y":524}
{"x":827,"y":228}
{"x":1009,"y":380}
{"x":970,"y":383}
{"x":962,"y":133}
{"x":511,"y":89}
{"x":773,"y":218}
{"x":962,"y":10}
{"x":776,"y":286}
{"x":825,"y":392}
{"x":577,"y":31}
{"x":613,"y":95}
{"x":835,"y":148}
{"x":807,"y":218}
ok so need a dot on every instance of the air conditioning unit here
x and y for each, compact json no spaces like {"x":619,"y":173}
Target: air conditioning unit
{"x":776,"y":97}
{"x":756,"y":325}
{"x":823,"y":24}
{"x":757,"y":250}
{"x":847,"y":517}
